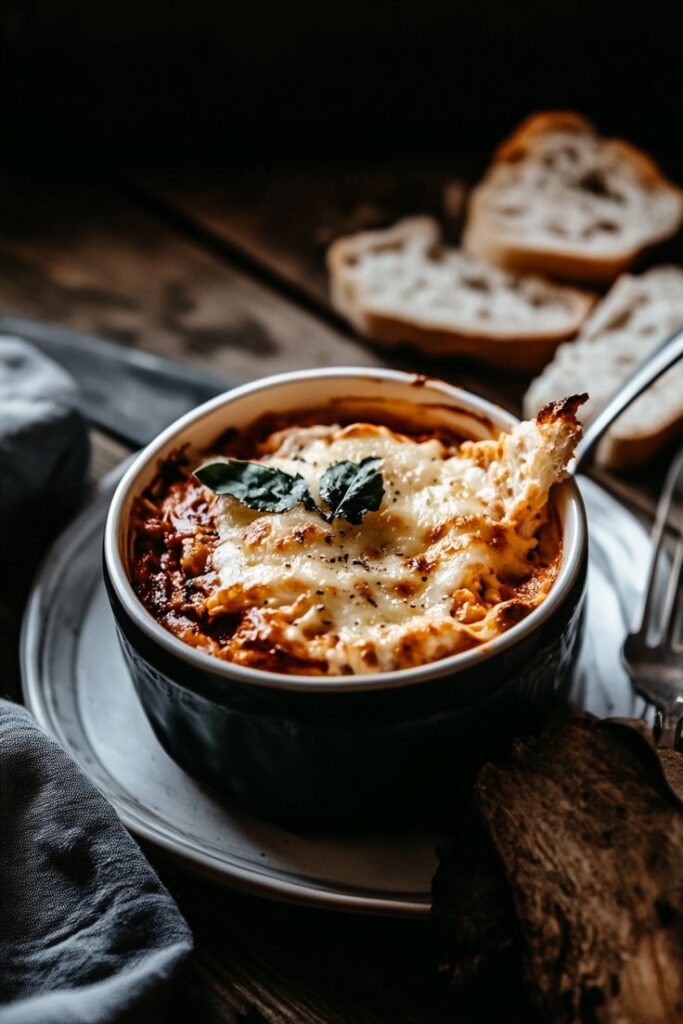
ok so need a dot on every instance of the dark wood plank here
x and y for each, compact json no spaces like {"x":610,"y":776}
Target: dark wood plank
{"x":278,"y":221}
{"x":260,"y":962}
{"x":281,"y":218}
{"x":79,"y":255}
{"x":106,"y":454}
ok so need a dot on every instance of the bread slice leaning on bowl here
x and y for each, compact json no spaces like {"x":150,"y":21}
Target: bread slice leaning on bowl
{"x":559,"y":199}
{"x":635,"y":316}
{"x":402,"y":284}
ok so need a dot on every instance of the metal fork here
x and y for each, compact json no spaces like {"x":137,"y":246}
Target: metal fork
{"x":653,"y":652}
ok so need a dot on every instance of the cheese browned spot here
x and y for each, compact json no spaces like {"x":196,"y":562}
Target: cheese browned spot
{"x":461,"y":548}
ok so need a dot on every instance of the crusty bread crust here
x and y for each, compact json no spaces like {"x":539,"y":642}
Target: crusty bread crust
{"x":516,"y":145}
{"x":571,"y":262}
{"x":637,"y":313}
{"x":518,"y":349}
{"x":593,"y":272}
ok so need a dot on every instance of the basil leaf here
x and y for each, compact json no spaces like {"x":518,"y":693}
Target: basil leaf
{"x":260,"y":487}
{"x":351,"y":489}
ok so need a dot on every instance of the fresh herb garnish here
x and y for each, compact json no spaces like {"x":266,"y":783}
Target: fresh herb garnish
{"x":349,"y":489}
{"x":260,"y":487}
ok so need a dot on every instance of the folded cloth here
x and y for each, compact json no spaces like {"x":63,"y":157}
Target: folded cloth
{"x":88,"y":933}
{"x":44,"y":452}
{"x":44,"y":445}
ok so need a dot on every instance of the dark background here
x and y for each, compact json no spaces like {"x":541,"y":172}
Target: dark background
{"x":385,"y":103}
{"x":83,"y":80}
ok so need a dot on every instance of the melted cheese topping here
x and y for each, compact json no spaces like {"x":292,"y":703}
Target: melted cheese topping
{"x":444,"y":564}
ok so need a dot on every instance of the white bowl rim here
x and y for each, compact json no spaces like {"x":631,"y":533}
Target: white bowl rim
{"x":571,"y":566}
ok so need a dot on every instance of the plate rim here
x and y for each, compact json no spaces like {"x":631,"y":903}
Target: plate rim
{"x":244,"y":879}
{"x":172,"y":844}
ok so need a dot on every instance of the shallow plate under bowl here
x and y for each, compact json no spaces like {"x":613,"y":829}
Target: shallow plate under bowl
{"x":76,"y":685}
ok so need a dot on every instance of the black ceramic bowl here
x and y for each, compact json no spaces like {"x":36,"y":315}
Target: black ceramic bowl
{"x":313,"y":750}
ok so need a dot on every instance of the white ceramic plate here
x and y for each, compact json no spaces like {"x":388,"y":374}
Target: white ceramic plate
{"x":76,"y":685}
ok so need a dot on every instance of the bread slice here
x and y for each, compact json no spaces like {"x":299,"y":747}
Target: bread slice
{"x":403,"y":285}
{"x":560,"y":200}
{"x":635,"y":316}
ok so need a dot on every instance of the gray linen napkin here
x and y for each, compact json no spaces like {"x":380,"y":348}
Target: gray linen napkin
{"x":43,"y":440}
{"x":88,"y":934}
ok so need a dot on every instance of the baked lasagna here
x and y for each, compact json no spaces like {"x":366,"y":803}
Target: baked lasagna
{"x":343,"y":548}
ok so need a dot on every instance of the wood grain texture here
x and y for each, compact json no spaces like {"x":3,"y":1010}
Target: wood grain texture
{"x":260,"y":962}
{"x":283,"y":217}
{"x":278,"y":220}
{"x":105,"y":455}
{"x":81,"y":255}
{"x":591,"y":840}
{"x":578,"y":878}
{"x":77,"y":254}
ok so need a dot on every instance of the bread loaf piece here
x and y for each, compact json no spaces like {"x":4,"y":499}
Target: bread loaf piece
{"x":635,"y":316}
{"x":403,"y":285}
{"x":560,"y":200}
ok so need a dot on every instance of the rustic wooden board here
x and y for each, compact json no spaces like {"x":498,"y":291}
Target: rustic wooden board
{"x":105,"y":455}
{"x":77,"y":254}
{"x":282,"y":218}
{"x":279,"y":220}
{"x":562,"y":870}
{"x":84,"y":257}
{"x":265,"y":962}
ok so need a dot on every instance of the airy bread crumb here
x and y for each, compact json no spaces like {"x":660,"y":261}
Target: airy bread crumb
{"x":402,"y":284}
{"x":635,"y":316}
{"x":561,"y":200}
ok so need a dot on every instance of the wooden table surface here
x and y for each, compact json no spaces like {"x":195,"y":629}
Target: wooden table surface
{"x":226,"y":269}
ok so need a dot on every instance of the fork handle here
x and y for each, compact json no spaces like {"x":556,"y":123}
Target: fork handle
{"x":668,"y":726}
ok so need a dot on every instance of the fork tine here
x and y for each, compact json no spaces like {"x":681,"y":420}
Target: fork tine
{"x":672,"y":598}
{"x":642,"y":622}
{"x":675,"y":521}
{"x":644,"y":619}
